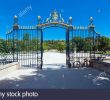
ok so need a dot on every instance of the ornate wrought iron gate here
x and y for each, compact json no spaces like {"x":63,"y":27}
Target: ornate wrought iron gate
{"x":25,"y":43}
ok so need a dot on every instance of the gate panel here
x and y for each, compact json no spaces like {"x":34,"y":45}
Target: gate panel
{"x":11,"y":47}
{"x":81,"y":47}
{"x":27,"y":46}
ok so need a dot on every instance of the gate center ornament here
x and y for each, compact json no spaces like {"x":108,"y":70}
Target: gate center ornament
{"x":55,"y":17}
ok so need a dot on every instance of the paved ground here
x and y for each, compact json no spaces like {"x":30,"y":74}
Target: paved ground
{"x":53,"y":77}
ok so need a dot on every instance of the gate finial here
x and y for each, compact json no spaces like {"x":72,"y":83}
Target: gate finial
{"x":91,"y":19}
{"x":39,"y":19}
{"x":15,"y":26}
{"x":91,"y":25}
{"x":70,"y":20}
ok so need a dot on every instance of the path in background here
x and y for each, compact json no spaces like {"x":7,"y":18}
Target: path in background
{"x":54,"y":58}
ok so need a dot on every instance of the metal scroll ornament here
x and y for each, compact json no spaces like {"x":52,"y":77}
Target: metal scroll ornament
{"x":55,"y":17}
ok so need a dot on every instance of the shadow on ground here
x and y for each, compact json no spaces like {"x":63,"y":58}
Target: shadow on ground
{"x":62,"y":78}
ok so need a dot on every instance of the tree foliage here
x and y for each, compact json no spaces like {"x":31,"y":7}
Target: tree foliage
{"x":28,"y":43}
{"x":104,"y":43}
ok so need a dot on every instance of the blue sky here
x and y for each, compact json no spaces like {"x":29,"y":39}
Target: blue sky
{"x":80,"y":10}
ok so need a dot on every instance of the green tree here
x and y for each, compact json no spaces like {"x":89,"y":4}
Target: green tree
{"x":79,"y":42}
{"x":25,"y":42}
{"x":104,"y":43}
{"x":61,"y":46}
{"x":2,"y":46}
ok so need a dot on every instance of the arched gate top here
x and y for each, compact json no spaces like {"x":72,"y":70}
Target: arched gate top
{"x":55,"y":20}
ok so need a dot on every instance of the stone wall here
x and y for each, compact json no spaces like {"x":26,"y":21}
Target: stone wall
{"x":104,"y":66}
{"x":8,"y":68}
